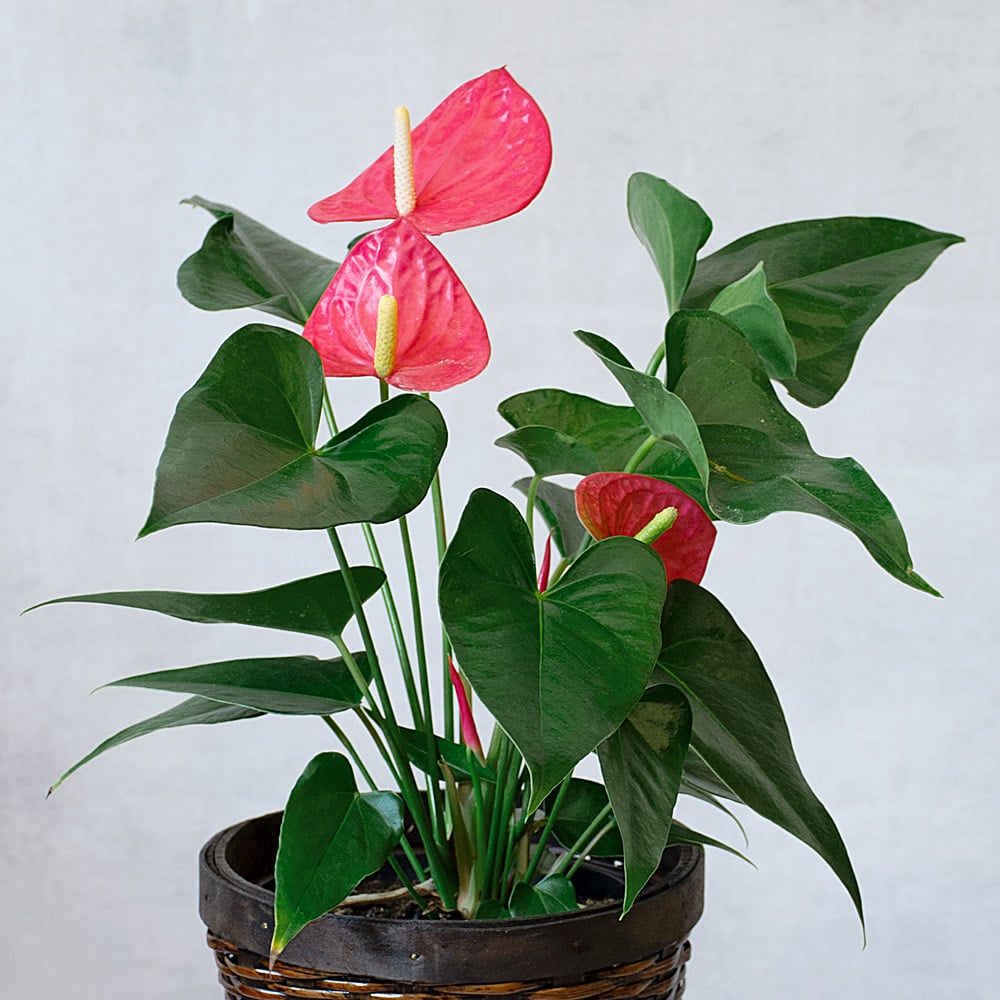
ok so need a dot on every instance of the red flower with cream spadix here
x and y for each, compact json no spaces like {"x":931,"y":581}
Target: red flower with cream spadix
{"x":622,"y":503}
{"x":481,"y":155}
{"x":395,"y":309}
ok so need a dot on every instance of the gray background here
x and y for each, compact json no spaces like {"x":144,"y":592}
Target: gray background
{"x":765,"y":112}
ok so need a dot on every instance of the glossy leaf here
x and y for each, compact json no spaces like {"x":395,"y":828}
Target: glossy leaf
{"x":619,"y":503}
{"x":240,"y":449}
{"x":441,"y":337}
{"x":641,"y":763}
{"x":684,"y":835}
{"x":414,"y":743}
{"x":671,"y":226}
{"x":317,"y":605}
{"x":242,"y":263}
{"x":331,"y":837}
{"x":560,"y":670}
{"x":283,"y":685}
{"x":481,"y":155}
{"x":738,"y":725}
{"x":747,"y":304}
{"x":492,"y":909}
{"x":583,"y":800}
{"x":557,"y":505}
{"x":193,"y":712}
{"x":761,"y":459}
{"x":551,"y":894}
{"x":663,"y":412}
{"x":831,"y":279}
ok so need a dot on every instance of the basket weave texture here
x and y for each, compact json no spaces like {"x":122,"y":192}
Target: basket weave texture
{"x":246,"y":976}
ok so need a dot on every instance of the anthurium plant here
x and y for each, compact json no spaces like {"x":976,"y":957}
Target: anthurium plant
{"x":572,"y":621}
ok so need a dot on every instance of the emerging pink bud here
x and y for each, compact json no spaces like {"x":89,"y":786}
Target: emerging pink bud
{"x":543,"y":573}
{"x":470,"y":736}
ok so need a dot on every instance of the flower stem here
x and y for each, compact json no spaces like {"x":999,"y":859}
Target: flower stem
{"x":550,"y":822}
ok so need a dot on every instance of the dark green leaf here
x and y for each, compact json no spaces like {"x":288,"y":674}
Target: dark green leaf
{"x":671,"y":226}
{"x":331,"y":838}
{"x":559,"y":671}
{"x":583,"y":801}
{"x":641,"y":763}
{"x":664,"y":413}
{"x":317,"y":605}
{"x":492,"y":909}
{"x":284,"y":685}
{"x":760,"y":456}
{"x":680,"y":834}
{"x":748,"y":306}
{"x":552,"y":894}
{"x":562,"y":431}
{"x":242,"y":263}
{"x":557,"y":505}
{"x":739,"y":728}
{"x":831,"y":279}
{"x":240,"y":449}
{"x":455,"y":755}
{"x":193,"y":712}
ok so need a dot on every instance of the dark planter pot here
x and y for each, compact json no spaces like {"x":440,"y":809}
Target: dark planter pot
{"x":587,"y":954}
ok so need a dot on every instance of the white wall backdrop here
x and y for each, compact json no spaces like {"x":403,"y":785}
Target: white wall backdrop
{"x":115,"y":110}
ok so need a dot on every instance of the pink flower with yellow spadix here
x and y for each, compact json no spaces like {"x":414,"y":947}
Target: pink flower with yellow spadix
{"x":481,"y":155}
{"x":431,"y":336}
{"x":621,"y":503}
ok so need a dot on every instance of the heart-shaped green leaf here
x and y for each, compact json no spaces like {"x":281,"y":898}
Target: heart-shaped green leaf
{"x":283,"y":685}
{"x":748,"y":306}
{"x":760,"y":457}
{"x":559,"y":670}
{"x":193,"y":712}
{"x":831,"y":279}
{"x":242,"y":263}
{"x":671,"y":226}
{"x":240,"y":449}
{"x":641,"y":763}
{"x":331,"y":837}
{"x":317,"y":605}
{"x":738,"y":725}
{"x":552,"y":894}
{"x":561,"y":432}
{"x":664,"y":413}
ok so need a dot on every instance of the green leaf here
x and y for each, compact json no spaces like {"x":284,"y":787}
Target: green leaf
{"x":240,"y":449}
{"x":831,"y":279}
{"x":557,"y":505}
{"x":760,"y":457}
{"x":317,"y":605}
{"x":748,"y":306}
{"x":671,"y":226}
{"x":664,"y":413}
{"x":331,"y":838}
{"x":552,"y":894}
{"x":559,"y":432}
{"x":684,"y":835}
{"x":491,"y":909}
{"x":641,"y":763}
{"x":738,"y":726}
{"x":584,"y":799}
{"x":193,"y":712}
{"x":242,"y":263}
{"x":283,"y":685}
{"x":560,"y":670}
{"x":455,"y":755}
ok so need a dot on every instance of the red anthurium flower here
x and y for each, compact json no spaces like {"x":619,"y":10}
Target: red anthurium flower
{"x":439,"y":336}
{"x":543,"y":573}
{"x":482,"y":154}
{"x":620,"y":503}
{"x":470,"y":735}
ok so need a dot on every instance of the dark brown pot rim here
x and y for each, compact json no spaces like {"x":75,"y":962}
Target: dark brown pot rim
{"x":240,"y":911}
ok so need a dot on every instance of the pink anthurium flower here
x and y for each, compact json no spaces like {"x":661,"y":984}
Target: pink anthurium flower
{"x":621,"y":503}
{"x":482,"y":154}
{"x":436,"y":337}
{"x":470,"y":735}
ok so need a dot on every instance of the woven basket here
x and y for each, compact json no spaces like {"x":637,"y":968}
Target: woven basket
{"x":577,"y":956}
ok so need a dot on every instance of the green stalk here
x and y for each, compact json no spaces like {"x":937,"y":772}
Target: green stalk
{"x":594,"y":841}
{"x":586,"y":839}
{"x":550,"y":822}
{"x":441,"y":537}
{"x":657,"y":358}
{"x":407,"y":786}
{"x":640,"y":453}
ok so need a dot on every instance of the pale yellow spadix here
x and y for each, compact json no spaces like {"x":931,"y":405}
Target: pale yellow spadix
{"x":402,"y":163}
{"x":658,"y":524}
{"x":386,"y":332}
